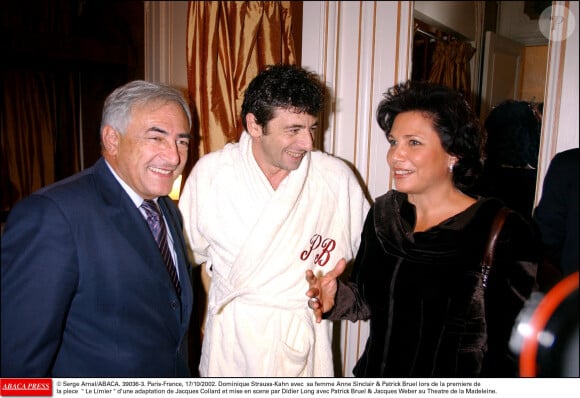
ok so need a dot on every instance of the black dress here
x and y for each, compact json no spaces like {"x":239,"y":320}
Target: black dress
{"x":423,"y":293}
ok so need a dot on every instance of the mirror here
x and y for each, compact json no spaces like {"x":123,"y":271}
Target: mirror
{"x":509,"y":61}
{"x":515,"y":34}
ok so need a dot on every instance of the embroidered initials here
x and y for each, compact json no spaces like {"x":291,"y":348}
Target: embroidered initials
{"x":322,"y":249}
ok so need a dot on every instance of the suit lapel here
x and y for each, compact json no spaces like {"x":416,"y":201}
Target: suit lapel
{"x":129,"y":221}
{"x":133,"y":227}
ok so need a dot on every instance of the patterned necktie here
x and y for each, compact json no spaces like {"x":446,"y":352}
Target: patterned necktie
{"x":157,"y":226}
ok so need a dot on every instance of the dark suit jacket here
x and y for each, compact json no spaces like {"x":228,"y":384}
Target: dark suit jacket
{"x":557,"y":212}
{"x":85,"y":292}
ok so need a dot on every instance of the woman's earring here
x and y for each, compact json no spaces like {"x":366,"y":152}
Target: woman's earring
{"x":451,"y":167}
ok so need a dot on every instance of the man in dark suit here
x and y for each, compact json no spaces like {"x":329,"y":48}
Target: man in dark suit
{"x":557,"y":211}
{"x":86,"y":291}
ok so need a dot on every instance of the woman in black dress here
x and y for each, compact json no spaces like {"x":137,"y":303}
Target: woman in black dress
{"x":418,"y":274}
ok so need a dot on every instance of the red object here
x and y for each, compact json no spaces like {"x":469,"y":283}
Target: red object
{"x":541,"y":316}
{"x":26,"y":387}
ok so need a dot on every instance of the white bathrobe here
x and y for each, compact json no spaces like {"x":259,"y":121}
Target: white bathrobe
{"x":257,"y":243}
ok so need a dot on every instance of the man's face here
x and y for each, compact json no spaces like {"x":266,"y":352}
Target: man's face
{"x":280,"y":146}
{"x":152,"y":151}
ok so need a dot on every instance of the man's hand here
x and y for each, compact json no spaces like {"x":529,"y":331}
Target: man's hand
{"x":322,"y":289}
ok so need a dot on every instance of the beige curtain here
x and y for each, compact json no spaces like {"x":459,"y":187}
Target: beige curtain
{"x":227,"y":44}
{"x":451,"y":66}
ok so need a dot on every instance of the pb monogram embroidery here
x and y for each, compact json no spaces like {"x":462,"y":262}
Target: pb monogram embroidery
{"x":321,"y":248}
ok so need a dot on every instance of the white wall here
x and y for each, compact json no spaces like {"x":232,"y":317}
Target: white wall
{"x":568,"y":112}
{"x":165,"y":38}
{"x":560,"y":127}
{"x":359,"y":48}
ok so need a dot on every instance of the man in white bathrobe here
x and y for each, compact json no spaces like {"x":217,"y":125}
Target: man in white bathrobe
{"x":258,"y":214}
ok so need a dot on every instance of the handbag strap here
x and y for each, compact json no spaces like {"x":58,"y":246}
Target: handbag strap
{"x":496,"y":227}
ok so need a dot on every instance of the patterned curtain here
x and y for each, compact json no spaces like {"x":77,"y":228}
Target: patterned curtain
{"x":228,"y":42}
{"x":451,"y":66}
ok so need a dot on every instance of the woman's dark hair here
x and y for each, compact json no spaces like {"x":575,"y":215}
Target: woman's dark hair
{"x":513,"y":135}
{"x":282,"y":86}
{"x":458,"y":127}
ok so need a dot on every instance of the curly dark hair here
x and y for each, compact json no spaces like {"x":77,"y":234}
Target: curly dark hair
{"x":454,"y":121}
{"x":282,"y":86}
{"x":513,"y":135}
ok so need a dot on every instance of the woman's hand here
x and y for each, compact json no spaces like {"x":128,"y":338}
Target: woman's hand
{"x":322,"y":289}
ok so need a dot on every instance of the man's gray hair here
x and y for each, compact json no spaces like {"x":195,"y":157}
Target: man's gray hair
{"x":118,"y":105}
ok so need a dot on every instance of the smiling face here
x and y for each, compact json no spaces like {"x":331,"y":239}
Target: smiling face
{"x":417,"y":160}
{"x":280,"y":146}
{"x":152,"y":151}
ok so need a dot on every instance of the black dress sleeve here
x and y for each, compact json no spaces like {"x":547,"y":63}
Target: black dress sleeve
{"x":349,"y":302}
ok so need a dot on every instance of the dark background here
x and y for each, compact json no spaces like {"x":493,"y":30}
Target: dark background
{"x":95,"y":44}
